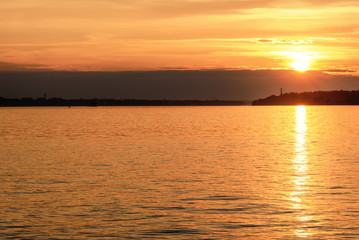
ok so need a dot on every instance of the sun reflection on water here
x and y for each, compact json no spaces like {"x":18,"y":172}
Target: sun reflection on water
{"x":301,"y":176}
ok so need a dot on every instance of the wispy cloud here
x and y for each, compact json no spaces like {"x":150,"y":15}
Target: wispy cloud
{"x":4,"y":66}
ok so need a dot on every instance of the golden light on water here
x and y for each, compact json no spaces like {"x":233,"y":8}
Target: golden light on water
{"x":301,"y":177}
{"x":219,"y":172}
{"x":301,"y":127}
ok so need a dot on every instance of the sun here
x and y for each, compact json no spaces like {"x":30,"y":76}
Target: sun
{"x":300,"y":61}
{"x":300,"y":66}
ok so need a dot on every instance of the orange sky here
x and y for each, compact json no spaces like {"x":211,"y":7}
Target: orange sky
{"x":112,"y":35}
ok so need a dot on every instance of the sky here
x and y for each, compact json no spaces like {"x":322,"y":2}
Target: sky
{"x":142,"y":35}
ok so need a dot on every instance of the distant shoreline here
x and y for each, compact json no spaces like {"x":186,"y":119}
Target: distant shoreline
{"x":338,"y":97}
{"x":43,"y":102}
{"x":312,"y":98}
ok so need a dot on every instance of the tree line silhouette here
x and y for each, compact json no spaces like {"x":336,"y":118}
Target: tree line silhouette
{"x":312,"y":98}
{"x":9,"y":102}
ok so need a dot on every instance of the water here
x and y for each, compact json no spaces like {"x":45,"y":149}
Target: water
{"x":179,"y":173}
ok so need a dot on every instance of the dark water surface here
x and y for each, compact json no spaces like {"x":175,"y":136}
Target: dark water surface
{"x":179,"y":173}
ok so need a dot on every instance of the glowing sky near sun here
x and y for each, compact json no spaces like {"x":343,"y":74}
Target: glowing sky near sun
{"x":113,"y":35}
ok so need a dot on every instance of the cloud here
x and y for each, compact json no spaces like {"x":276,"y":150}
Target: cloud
{"x":203,"y":84}
{"x":144,"y":9}
{"x":265,"y":41}
{"x":4,"y":66}
{"x":286,"y":41}
{"x":339,"y":71}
